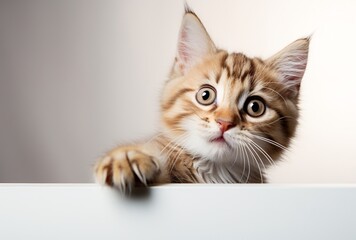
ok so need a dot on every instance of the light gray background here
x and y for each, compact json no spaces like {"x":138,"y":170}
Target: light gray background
{"x":78,"y":77}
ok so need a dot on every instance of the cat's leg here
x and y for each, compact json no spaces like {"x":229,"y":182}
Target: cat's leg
{"x":127,"y":166}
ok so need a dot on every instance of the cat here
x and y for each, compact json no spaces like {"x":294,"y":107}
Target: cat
{"x":225,"y":117}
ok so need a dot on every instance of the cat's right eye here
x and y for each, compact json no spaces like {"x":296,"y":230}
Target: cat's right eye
{"x":206,"y":95}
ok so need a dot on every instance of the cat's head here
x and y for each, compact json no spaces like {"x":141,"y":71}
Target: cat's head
{"x":221,"y":106}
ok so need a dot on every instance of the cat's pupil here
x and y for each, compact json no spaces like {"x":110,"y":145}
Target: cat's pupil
{"x":205,"y":95}
{"x":255,"y":107}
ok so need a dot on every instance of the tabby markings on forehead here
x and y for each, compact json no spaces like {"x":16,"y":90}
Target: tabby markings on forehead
{"x":248,"y":72}
{"x":236,"y":66}
{"x":222,"y":66}
{"x":240,"y":62}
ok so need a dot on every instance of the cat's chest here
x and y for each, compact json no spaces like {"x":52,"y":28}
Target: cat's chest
{"x":186,"y":168}
{"x":211,"y":172}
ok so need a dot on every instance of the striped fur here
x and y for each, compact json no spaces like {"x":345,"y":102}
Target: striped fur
{"x":221,"y":142}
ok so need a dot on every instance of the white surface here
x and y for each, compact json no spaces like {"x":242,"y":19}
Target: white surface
{"x":80,"y":76}
{"x":87,"y":211}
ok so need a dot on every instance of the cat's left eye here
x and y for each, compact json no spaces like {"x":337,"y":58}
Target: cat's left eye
{"x":206,"y":95}
{"x":255,"y":106}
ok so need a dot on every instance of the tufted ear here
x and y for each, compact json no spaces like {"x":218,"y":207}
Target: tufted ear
{"x":290,"y":64}
{"x":194,"y":43}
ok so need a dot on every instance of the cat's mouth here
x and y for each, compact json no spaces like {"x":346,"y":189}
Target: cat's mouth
{"x":220,"y":140}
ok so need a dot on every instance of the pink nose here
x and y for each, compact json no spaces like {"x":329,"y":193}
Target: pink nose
{"x":224,"y":125}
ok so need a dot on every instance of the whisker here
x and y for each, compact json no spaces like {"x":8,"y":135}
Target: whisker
{"x":248,"y":163}
{"x":236,"y":155}
{"x":268,"y":88}
{"x":244,"y":156}
{"x":259,"y":157}
{"x":161,"y":134}
{"x":278,"y":119}
{"x":240,"y":147}
{"x":272,"y":142}
{"x":172,"y":141}
{"x":265,"y":154}
{"x":175,"y":145}
{"x":175,"y":160}
{"x":254,"y":158}
{"x":178,"y":143}
{"x":244,"y":162}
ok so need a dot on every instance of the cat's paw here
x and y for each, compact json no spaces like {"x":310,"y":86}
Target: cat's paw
{"x":124,"y":168}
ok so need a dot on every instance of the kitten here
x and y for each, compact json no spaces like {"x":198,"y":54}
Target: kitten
{"x":225,"y":117}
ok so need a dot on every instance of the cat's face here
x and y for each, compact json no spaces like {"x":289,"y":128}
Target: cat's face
{"x":225,"y":107}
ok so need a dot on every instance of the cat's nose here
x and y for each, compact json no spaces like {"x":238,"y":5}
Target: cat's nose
{"x":224,"y":125}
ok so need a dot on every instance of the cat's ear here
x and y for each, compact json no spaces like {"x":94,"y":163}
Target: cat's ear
{"x":194,"y":43}
{"x":290,"y":64}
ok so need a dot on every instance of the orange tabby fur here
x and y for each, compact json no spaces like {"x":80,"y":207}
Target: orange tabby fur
{"x":186,"y":150}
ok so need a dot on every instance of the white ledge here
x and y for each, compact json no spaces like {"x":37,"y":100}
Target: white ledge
{"x":88,"y":211}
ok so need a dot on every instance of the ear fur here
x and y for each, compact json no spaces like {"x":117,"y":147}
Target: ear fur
{"x":194,"y":43}
{"x":290,"y":64}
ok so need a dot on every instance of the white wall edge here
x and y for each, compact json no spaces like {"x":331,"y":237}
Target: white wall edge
{"x":179,"y":211}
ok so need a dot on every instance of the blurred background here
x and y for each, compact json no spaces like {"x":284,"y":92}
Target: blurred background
{"x":78,"y":77}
